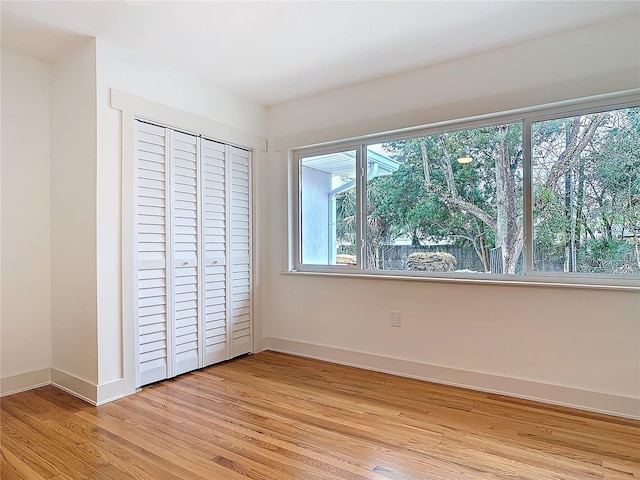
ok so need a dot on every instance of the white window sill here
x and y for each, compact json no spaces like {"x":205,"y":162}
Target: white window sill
{"x":557,"y":280}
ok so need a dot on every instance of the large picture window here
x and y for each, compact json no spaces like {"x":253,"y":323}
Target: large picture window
{"x":537,"y":195}
{"x":586,"y":181}
{"x":453,"y":204}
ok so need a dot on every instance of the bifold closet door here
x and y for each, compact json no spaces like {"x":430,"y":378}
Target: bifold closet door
{"x":240,"y":251}
{"x":214,"y":208}
{"x":167,"y":251}
{"x":184,"y":228}
{"x":193,"y":252}
{"x":153,"y":344}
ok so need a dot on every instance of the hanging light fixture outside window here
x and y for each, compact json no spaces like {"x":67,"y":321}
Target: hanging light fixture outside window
{"x":464,"y":160}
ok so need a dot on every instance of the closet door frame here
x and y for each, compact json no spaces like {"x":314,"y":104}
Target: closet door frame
{"x":134,"y":108}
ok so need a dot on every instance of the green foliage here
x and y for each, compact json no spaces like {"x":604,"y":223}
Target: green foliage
{"x":413,"y":200}
{"x":346,"y":216}
{"x":585,"y":199}
{"x":594,"y":201}
{"x":605,"y":256}
{"x":617,"y":169}
{"x":411,"y":207}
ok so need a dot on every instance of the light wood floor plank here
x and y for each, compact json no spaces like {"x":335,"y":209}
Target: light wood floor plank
{"x":273,"y":416}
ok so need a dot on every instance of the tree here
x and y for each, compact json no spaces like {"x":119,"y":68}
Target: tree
{"x":615,"y":182}
{"x":479,"y":203}
{"x":585,"y":179}
{"x":560,"y":166}
{"x":586,"y":184}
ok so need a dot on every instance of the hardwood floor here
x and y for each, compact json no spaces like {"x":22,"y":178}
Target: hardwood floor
{"x":277,"y":417}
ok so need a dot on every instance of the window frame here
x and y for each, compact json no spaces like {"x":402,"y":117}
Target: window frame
{"x":527,"y":117}
{"x":296,"y":249}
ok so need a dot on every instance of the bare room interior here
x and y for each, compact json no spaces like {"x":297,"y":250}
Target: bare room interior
{"x":320,"y":240}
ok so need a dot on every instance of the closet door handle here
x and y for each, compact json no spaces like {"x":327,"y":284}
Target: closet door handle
{"x":185,"y":263}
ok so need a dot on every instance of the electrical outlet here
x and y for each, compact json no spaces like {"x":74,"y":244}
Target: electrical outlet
{"x":395,"y":319}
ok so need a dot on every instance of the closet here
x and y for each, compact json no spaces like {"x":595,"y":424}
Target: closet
{"x":192,"y":253}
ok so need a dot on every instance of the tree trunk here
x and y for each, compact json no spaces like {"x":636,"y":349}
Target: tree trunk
{"x":574,"y":148}
{"x":506,"y":227}
{"x":570,"y":136}
{"x":425,"y":162}
{"x":450,"y":196}
{"x":636,"y":248}
{"x":483,"y":254}
{"x":507,"y":232}
{"x":415,"y":239}
{"x":579,"y":218}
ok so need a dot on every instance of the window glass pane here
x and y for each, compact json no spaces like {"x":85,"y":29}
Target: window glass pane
{"x":586,"y":181}
{"x":328,"y":209}
{"x":447,"y":202}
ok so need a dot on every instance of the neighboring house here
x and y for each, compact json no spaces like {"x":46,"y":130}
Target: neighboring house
{"x":322,"y":178}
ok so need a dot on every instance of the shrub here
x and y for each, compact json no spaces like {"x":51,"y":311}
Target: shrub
{"x":431,"y":262}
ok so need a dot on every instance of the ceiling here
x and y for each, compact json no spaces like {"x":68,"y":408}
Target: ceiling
{"x":271,"y":51}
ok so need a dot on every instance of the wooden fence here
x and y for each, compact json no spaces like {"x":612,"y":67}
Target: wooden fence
{"x":394,"y":257}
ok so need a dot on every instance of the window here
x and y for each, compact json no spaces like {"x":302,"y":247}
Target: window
{"x":453,"y":204}
{"x":546,"y":193}
{"x":328,"y":208}
{"x":586,"y":183}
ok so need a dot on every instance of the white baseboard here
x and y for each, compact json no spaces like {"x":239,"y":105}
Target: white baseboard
{"x":110,"y":391}
{"x":83,"y":389}
{"x":628,"y":407}
{"x":25,"y":381}
{"x":87,"y":391}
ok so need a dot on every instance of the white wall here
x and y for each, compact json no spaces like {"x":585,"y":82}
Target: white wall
{"x":545,"y":70}
{"x":61,"y":207}
{"x":26,"y":272}
{"x":118,"y":69}
{"x":73,"y":217}
{"x":567,"y":345}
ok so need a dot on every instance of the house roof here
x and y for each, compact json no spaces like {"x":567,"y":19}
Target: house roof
{"x":343,"y":164}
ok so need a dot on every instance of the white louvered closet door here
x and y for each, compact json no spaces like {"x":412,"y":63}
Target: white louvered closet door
{"x":214,"y":206}
{"x":240,"y":251}
{"x":151,"y":254}
{"x":184,"y":223}
{"x":193,"y":252}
